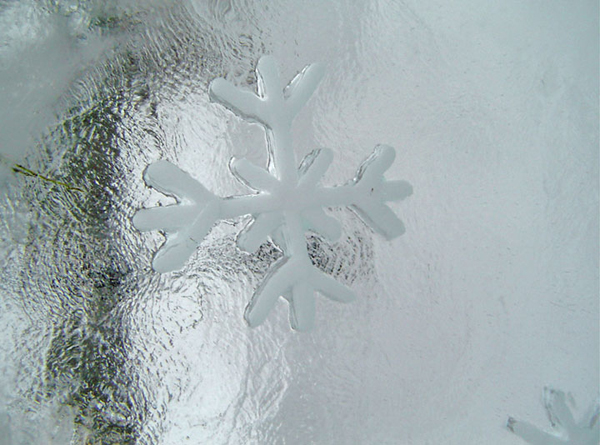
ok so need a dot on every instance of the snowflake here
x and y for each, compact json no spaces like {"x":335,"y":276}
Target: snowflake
{"x":288,"y":202}
{"x":584,"y":432}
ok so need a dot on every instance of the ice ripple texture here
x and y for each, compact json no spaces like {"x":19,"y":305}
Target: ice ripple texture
{"x":492,"y":110}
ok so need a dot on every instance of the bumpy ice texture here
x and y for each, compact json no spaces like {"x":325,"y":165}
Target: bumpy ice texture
{"x":569,"y":432}
{"x":288,"y":201}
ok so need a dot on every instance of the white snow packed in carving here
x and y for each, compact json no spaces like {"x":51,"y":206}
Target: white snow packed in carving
{"x":288,"y":200}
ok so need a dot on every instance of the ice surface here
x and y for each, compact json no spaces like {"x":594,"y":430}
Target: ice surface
{"x":491,"y":295}
{"x":288,"y":203}
{"x":42,"y":54}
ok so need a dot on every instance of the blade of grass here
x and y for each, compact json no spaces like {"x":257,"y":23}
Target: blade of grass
{"x":18,"y":168}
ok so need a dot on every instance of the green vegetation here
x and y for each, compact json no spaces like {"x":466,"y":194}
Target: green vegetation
{"x":18,"y":168}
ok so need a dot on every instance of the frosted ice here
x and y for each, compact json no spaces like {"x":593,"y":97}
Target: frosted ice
{"x":584,"y":432}
{"x":289,"y":200}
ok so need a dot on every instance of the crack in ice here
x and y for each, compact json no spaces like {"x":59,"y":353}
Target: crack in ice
{"x":289,"y":200}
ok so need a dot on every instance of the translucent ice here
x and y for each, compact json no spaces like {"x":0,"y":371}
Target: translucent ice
{"x":288,"y":200}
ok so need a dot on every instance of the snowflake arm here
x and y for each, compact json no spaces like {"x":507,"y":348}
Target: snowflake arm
{"x":189,"y":221}
{"x":311,"y":170}
{"x":296,"y":279}
{"x":301,"y":88}
{"x":367,"y":194}
{"x":186,"y":224}
{"x":273,"y":107}
{"x":266,"y":107}
{"x":259,"y":230}
{"x":585,"y":432}
{"x":532,"y":434}
{"x":252,"y":176}
{"x":373,"y":191}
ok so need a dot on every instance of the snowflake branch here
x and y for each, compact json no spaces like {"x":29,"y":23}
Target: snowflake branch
{"x":257,"y":231}
{"x":368,"y":192}
{"x":531,"y":434}
{"x":313,"y":167}
{"x":243,"y":103}
{"x":254,"y":177}
{"x":264,"y":107}
{"x":301,"y":88}
{"x":297,"y":279}
{"x":273,"y":107}
{"x":186,"y":223}
{"x":556,"y":407}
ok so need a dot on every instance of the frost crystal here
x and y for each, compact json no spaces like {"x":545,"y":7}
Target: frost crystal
{"x":584,"y":432}
{"x":288,"y":201}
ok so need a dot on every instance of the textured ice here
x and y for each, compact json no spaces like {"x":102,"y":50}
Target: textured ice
{"x":570,"y":432}
{"x":492,"y":108}
{"x":288,"y":202}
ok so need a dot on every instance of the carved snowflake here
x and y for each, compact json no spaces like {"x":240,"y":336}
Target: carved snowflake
{"x":584,"y":432}
{"x":288,"y":201}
